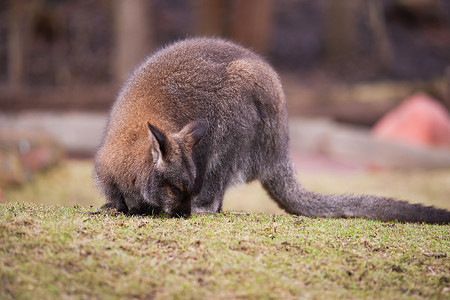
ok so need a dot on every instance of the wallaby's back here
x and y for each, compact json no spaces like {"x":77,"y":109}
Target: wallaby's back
{"x":217,"y":116}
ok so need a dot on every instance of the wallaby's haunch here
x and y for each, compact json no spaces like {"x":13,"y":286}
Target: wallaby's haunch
{"x":204,"y":114}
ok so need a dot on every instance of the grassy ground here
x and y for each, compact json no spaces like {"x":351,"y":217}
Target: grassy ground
{"x":51,"y":251}
{"x":59,"y":252}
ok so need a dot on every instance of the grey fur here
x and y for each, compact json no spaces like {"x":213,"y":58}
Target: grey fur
{"x":201,"y":115}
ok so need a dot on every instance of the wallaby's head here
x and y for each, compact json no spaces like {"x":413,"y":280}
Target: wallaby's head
{"x":171,"y":182}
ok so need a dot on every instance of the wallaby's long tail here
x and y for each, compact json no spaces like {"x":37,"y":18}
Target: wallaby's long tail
{"x":287,"y":191}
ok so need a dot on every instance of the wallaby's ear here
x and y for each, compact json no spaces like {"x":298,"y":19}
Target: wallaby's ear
{"x":159,"y":142}
{"x":193,"y":132}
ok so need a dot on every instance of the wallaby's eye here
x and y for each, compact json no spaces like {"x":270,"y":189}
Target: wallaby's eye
{"x":174,"y":190}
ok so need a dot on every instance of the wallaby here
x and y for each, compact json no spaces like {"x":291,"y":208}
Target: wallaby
{"x":201,"y":115}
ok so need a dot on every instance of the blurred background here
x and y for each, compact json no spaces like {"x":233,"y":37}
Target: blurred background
{"x":367,"y":82}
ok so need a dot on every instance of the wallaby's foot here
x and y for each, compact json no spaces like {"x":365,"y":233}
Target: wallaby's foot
{"x":102,"y":208}
{"x":120,"y":208}
{"x":212,"y":208}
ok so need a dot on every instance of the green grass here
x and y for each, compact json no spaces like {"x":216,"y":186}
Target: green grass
{"x":50,"y":251}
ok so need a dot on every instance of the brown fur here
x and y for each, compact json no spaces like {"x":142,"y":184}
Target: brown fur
{"x":201,"y":115}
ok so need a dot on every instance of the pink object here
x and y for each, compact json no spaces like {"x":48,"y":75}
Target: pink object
{"x":418,"y":120}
